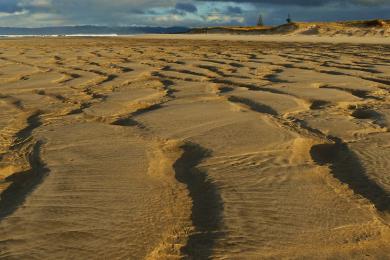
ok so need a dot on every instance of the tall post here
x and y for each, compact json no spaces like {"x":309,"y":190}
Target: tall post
{"x":260,"y":21}
{"x":289,"y":19}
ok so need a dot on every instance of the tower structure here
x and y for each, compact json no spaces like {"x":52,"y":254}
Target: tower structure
{"x":260,"y":21}
{"x":289,"y":19}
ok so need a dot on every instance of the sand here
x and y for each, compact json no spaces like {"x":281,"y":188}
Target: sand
{"x":359,"y":28}
{"x":296,"y":38}
{"x":168,"y":147}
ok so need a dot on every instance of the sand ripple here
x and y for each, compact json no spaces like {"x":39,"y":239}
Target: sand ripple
{"x":136,"y":148}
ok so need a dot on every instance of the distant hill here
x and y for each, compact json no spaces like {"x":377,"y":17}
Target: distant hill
{"x":90,"y":29}
{"x":380,"y":28}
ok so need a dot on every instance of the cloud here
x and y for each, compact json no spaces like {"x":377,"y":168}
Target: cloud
{"x":224,"y":19}
{"x":234,"y":10}
{"x":35,"y":3}
{"x":186,"y":7}
{"x":17,"y":13}
{"x":183,"y":12}
{"x":9,"y":6}
{"x":308,"y":2}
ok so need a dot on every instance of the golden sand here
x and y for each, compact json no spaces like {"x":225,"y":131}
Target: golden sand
{"x":156,"y":148}
{"x":364,"y":28}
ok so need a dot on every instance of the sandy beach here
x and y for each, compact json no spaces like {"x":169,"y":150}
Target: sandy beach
{"x":195,"y":147}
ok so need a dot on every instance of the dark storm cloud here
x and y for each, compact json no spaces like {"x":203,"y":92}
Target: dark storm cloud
{"x":183,"y":12}
{"x":9,"y":6}
{"x":234,"y":10}
{"x":307,"y":2}
{"x":186,"y":7}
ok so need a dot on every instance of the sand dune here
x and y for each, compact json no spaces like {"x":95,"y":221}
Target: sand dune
{"x":162,"y":149}
{"x":365,"y":28}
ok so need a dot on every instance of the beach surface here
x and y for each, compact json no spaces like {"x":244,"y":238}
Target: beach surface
{"x":195,"y":147}
{"x":278,"y":38}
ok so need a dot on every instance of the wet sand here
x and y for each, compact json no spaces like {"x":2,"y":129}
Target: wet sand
{"x":151,"y":147}
{"x":277,"y":38}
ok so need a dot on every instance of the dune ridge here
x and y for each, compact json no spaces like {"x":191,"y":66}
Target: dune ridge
{"x":376,"y":28}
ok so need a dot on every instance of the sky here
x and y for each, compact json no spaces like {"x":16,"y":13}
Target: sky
{"x":191,"y":13}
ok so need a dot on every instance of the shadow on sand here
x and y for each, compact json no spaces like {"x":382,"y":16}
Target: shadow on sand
{"x":347,"y":168}
{"x":207,"y":204}
{"x":23,"y":183}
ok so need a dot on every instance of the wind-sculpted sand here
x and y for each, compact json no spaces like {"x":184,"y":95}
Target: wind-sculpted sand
{"x":140,"y":148}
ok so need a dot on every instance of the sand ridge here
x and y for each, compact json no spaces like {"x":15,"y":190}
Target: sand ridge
{"x":366,"y":29}
{"x":159,"y":148}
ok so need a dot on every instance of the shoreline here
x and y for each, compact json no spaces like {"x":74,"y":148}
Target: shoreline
{"x":225,"y":37}
{"x":268,"y":38}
